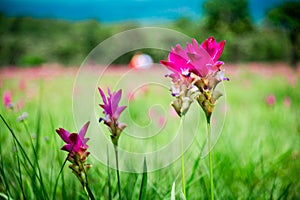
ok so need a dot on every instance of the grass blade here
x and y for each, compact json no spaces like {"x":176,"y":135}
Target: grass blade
{"x":118,"y":172}
{"x":57,"y":178}
{"x":20,"y":173}
{"x":143,"y":189}
{"x":22,"y":150}
{"x":173,"y":191}
{"x":182,"y":197}
{"x":2,"y":173}
{"x":4,"y":196}
{"x":285,"y":193}
{"x":108,"y":176}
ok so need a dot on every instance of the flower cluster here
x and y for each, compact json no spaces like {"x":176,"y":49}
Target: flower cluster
{"x":195,"y":72}
{"x":77,"y":148}
{"x":112,"y":111}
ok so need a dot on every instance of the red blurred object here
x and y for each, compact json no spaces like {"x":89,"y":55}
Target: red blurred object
{"x":141,"y":61}
{"x":270,"y":100}
{"x":287,"y":102}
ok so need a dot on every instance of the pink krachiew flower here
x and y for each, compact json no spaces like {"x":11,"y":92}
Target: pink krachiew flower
{"x":201,"y":60}
{"x":7,"y":99}
{"x":195,"y":72}
{"x":112,"y":112}
{"x":75,"y":143}
{"x":77,"y":148}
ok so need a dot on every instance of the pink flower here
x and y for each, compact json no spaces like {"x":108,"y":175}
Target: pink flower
{"x":152,"y":113}
{"x":112,"y":112}
{"x":198,"y":59}
{"x":287,"y":102}
{"x":22,"y":85}
{"x":195,"y":71}
{"x":110,"y":106}
{"x":77,"y":148}
{"x":75,"y":143}
{"x":7,"y":99}
{"x":270,"y":99}
{"x":162,"y":121}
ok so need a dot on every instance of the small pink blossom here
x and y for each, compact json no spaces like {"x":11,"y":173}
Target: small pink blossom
{"x":75,"y":143}
{"x":22,"y":85}
{"x":110,"y":106}
{"x":152,"y":113}
{"x":77,"y":148}
{"x":7,"y":99}
{"x":162,"y":121}
{"x":287,"y":102}
{"x":270,"y":99}
{"x":112,"y":112}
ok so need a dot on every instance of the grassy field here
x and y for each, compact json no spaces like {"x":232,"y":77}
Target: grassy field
{"x":257,"y":156}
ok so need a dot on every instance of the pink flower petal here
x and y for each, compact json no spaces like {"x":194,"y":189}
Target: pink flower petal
{"x":64,"y":135}
{"x":102,"y":95}
{"x":83,"y":130}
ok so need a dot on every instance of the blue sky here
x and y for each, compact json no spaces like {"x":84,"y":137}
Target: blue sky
{"x":119,"y":10}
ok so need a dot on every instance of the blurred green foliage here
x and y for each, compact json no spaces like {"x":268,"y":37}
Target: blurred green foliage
{"x":257,"y":155}
{"x":26,"y":41}
{"x":287,"y":16}
{"x":230,"y":15}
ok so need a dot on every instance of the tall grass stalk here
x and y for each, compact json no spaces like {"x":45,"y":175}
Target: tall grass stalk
{"x":210,"y":160}
{"x":87,"y":187}
{"x":118,"y":173}
{"x":182,"y":157}
{"x":108,"y":175}
{"x":2,"y":173}
{"x":57,"y":178}
{"x":19,"y":170}
{"x":23,"y":153}
{"x":143,"y":188}
{"x":35,"y":152}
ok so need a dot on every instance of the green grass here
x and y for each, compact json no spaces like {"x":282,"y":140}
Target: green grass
{"x":256,"y":157}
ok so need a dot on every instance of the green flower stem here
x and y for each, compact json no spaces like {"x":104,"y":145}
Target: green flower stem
{"x":86,"y":186}
{"x":89,"y":192}
{"x":210,"y":161}
{"x":182,"y":158}
{"x":57,"y":178}
{"x":118,"y":174}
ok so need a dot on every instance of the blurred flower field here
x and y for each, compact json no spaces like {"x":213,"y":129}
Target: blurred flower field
{"x":257,"y":156}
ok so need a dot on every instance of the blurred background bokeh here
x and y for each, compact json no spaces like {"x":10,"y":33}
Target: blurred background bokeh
{"x":36,"y":32}
{"x":43,"y":43}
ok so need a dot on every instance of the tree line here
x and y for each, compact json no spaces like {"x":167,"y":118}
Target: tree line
{"x":27,"y":41}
